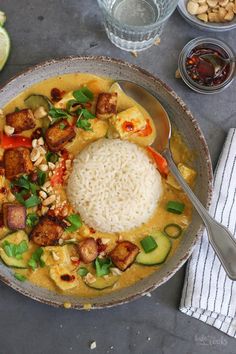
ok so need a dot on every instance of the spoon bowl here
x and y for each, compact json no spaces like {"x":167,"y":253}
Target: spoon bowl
{"x":219,"y":236}
{"x":152,"y":105}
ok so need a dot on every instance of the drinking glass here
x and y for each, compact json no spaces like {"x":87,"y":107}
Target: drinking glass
{"x":135,"y":25}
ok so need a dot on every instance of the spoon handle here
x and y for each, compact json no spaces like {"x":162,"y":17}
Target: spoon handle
{"x":220,"y":237}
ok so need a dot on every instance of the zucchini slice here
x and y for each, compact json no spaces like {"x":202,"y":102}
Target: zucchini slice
{"x":53,"y":255}
{"x":15,"y":238}
{"x":35,"y":101}
{"x":158,"y":255}
{"x":63,"y":276}
{"x":102,"y":283}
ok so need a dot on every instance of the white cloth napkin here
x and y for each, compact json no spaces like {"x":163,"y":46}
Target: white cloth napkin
{"x":208,"y":294}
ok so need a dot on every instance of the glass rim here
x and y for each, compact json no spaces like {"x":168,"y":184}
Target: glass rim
{"x":141,"y":28}
{"x":191,"y":83}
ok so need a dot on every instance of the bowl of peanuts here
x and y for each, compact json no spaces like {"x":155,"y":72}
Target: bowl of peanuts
{"x":211,"y":15}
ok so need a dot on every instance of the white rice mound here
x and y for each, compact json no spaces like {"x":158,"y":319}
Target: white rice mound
{"x":114,"y":185}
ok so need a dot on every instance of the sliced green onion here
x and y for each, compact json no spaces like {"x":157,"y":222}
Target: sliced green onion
{"x":9,"y":248}
{"x":173,"y":230}
{"x":32,"y":264}
{"x":13,"y":250}
{"x":175,"y":207}
{"x":82,"y":271}
{"x":22,"y":247}
{"x":18,"y":256}
{"x":36,"y":260}
{"x":20,"y":277}
{"x":149,"y":244}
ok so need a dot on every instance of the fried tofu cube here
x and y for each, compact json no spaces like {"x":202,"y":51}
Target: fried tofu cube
{"x":106,"y":105}
{"x":21,"y":120}
{"x":124,"y":254}
{"x":17,"y":162}
{"x":48,"y":231}
{"x":88,"y":250}
{"x":14,"y":216}
{"x":58,"y":134}
{"x":128,"y":122}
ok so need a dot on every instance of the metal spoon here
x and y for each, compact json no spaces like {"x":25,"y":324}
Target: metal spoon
{"x":220,"y":237}
{"x":218,"y":63}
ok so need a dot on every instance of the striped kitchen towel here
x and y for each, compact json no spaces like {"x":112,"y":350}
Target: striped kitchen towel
{"x":208,"y":294}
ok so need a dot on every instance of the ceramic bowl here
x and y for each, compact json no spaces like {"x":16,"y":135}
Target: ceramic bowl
{"x":182,"y":119}
{"x":209,"y":26}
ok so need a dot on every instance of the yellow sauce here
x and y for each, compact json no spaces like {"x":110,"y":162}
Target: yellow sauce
{"x":161,"y":217}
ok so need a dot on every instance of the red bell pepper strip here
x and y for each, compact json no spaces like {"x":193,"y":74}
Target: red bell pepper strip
{"x":160,"y":161}
{"x":15,"y":141}
{"x":59,"y":172}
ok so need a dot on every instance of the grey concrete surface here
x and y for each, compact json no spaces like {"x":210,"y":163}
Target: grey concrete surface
{"x":41,"y":30}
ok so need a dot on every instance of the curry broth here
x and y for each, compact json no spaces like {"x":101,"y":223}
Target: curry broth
{"x":161,"y":217}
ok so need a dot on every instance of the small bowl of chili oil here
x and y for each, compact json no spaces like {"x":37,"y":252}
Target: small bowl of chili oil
{"x":198,"y":72}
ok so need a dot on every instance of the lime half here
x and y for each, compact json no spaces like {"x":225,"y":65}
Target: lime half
{"x":4,"y":47}
{"x":2,"y":18}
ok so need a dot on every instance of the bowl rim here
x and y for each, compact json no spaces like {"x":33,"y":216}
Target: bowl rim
{"x":191,"y":19}
{"x":180,"y":102}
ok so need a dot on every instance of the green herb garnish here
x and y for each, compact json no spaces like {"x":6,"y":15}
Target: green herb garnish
{"x":24,"y":183}
{"x":52,"y":157}
{"x":70,"y":103}
{"x":75,"y":221}
{"x":32,"y":201}
{"x":102,"y":266}
{"x":84,"y":124}
{"x":36,"y":260}
{"x":84,"y":113}
{"x":41,"y":177}
{"x":83,"y":95}
{"x":27,"y":196}
{"x":57,"y":113}
{"x":82,"y":271}
{"x":83,"y":119}
{"x":32,"y":219}
{"x":13,"y":250}
{"x":20,"y":277}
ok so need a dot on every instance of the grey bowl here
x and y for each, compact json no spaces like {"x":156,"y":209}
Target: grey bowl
{"x":182,"y":119}
{"x":194,"y":21}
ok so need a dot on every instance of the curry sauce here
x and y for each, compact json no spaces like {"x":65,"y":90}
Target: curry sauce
{"x":46,"y":275}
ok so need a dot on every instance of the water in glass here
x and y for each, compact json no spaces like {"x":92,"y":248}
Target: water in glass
{"x":135,"y":25}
